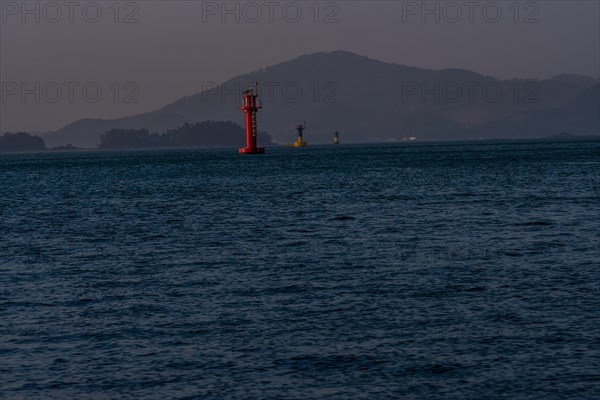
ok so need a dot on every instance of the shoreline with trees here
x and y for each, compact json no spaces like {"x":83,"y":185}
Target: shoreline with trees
{"x":207,"y":134}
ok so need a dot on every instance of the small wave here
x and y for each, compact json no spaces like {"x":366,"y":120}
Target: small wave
{"x":476,"y":289}
{"x":440,"y":369}
{"x":343,"y":218}
{"x":536,"y":223}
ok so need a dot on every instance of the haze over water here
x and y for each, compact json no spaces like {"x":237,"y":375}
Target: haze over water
{"x":442,"y":270}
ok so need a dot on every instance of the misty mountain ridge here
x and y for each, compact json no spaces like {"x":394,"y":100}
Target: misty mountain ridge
{"x":583,"y":82}
{"x":373,"y":101}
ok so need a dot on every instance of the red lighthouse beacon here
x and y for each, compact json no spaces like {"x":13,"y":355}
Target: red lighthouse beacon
{"x":250,"y":107}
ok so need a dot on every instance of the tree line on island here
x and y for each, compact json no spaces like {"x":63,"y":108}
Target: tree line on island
{"x":201,"y":134}
{"x":21,"y":141}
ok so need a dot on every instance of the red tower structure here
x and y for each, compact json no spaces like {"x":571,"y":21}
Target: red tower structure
{"x":250,"y":107}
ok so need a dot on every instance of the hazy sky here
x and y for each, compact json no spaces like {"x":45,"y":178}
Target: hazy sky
{"x":169,"y":49}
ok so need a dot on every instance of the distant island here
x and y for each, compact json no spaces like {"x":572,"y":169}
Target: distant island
{"x":21,"y":141}
{"x":562,"y":135}
{"x":201,"y":134}
{"x":68,"y":147}
{"x":208,"y":134}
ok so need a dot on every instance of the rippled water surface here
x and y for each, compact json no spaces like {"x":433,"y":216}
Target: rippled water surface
{"x":463,"y":270}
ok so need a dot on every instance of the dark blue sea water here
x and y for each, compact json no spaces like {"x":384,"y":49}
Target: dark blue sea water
{"x":456,"y":270}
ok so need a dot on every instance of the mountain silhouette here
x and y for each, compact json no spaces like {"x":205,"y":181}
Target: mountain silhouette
{"x":372,"y":101}
{"x":580,"y":116}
